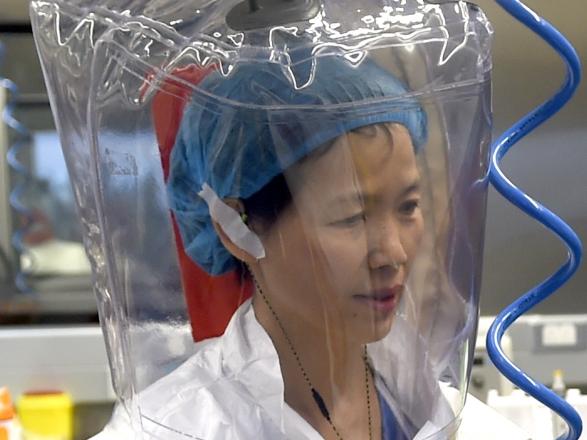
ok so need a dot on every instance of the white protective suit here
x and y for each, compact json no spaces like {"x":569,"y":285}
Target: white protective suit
{"x":232,"y":389}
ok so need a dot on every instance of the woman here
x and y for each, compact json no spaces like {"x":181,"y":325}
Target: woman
{"x":333,"y":225}
{"x":322,"y":209}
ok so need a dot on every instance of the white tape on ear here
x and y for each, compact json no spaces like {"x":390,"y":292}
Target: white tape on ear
{"x":231,"y":223}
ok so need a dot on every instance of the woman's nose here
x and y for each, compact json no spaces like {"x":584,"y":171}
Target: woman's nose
{"x":387,"y":250}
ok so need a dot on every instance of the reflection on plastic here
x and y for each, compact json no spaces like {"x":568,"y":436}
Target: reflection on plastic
{"x":356,"y":143}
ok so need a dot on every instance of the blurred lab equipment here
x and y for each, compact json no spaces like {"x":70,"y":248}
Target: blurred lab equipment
{"x":9,"y":426}
{"x":44,"y":272}
{"x":532,"y":416}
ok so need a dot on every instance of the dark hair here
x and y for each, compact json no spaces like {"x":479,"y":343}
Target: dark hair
{"x":266,"y":204}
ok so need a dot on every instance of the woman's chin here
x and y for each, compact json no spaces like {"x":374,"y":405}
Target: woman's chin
{"x":376,"y":330}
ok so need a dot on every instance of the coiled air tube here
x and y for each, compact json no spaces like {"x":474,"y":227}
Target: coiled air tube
{"x":534,"y":209}
{"x":21,"y":140}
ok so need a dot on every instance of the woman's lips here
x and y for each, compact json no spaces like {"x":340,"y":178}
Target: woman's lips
{"x":382,"y":300}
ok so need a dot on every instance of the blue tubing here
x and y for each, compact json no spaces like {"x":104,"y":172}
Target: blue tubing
{"x":534,"y":209}
{"x":21,"y":141}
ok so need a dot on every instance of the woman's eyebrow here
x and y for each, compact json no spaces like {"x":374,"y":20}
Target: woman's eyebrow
{"x":412,"y":187}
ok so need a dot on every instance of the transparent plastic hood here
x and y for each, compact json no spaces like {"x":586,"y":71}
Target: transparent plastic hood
{"x":285,"y":218}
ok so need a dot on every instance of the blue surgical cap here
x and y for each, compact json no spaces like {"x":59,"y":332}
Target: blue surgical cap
{"x":240,"y":131}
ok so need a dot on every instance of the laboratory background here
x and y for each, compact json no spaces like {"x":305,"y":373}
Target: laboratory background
{"x":52,"y":355}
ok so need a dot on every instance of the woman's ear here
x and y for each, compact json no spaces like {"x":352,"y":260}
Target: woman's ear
{"x":236,"y":236}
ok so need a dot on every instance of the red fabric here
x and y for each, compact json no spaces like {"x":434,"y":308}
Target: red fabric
{"x":211,"y":300}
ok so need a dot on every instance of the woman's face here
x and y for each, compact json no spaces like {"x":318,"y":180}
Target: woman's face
{"x":339,"y":255}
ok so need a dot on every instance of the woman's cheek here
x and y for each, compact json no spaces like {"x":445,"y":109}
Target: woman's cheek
{"x":344,"y":253}
{"x":414,"y":235}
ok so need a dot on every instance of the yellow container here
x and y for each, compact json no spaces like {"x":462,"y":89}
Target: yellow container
{"x":46,"y":416}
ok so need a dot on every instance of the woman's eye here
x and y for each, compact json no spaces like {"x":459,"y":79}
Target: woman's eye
{"x":351,"y":221}
{"x":409,"y":207}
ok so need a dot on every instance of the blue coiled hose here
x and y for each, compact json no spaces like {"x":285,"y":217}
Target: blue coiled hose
{"x":540,"y":213}
{"x":21,"y":140}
